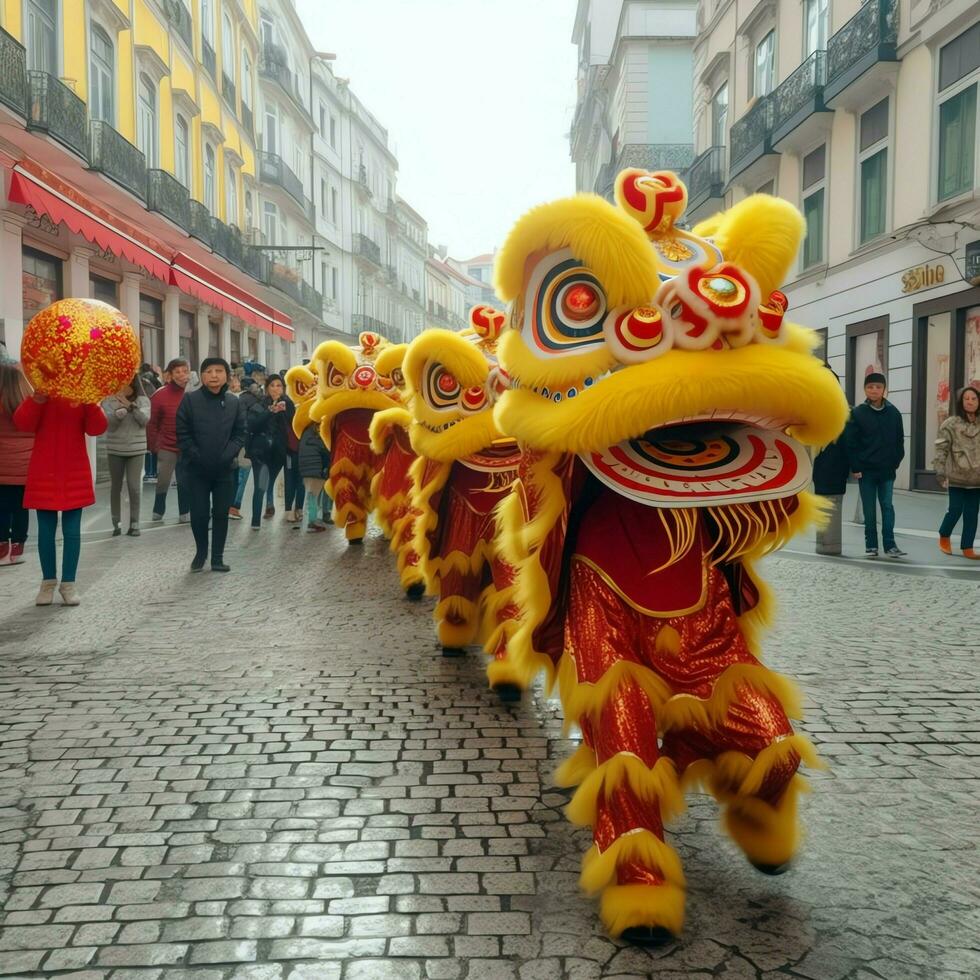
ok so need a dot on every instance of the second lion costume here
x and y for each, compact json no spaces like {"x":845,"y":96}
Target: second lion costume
{"x":663,"y":407}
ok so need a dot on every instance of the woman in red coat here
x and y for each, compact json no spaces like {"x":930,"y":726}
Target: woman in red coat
{"x":59,"y":479}
{"x":15,"y":454}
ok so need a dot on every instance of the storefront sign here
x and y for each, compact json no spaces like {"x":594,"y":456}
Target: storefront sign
{"x":973,"y":263}
{"x":922,"y":277}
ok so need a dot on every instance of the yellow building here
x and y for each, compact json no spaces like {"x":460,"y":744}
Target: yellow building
{"x":129,"y":161}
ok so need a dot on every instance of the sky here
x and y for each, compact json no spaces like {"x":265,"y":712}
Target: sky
{"x":477,"y":97}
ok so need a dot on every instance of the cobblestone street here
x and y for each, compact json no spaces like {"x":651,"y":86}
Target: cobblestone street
{"x":273,"y":774}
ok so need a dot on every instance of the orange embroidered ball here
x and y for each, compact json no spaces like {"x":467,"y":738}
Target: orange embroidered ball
{"x":81,"y":350}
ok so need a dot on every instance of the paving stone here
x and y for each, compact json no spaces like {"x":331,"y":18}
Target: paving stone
{"x":225,"y":951}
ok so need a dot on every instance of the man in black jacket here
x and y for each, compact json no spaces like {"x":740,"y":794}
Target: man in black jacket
{"x":211,"y":431}
{"x":875,"y":439}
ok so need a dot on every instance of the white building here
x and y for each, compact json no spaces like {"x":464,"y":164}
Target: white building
{"x":864,"y":115}
{"x":479,"y":279}
{"x":634,"y":82}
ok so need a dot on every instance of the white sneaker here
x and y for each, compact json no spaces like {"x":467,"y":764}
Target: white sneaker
{"x":46,"y":596}
{"x":69,"y":594}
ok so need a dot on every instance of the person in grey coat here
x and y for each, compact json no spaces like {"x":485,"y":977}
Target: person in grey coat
{"x":128,"y":412}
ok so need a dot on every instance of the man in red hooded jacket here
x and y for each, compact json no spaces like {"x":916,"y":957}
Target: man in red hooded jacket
{"x":161,"y":438}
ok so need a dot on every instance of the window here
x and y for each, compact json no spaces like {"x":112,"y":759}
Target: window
{"x":146,"y":120}
{"x":185,"y":334}
{"x":765,"y":52}
{"x":40,"y":281}
{"x":249,"y":214}
{"x":151,"y":329}
{"x":323,"y":197}
{"x":814,"y":171}
{"x":333,"y":204}
{"x":246,"y":80}
{"x":815,"y":27}
{"x":103,"y":289}
{"x":271,"y":132}
{"x":957,"y":143}
{"x":231,"y":196}
{"x":209,"y":178}
{"x":101,"y":76}
{"x":207,"y":20}
{"x":182,"y":150}
{"x":873,"y":160}
{"x":323,"y":120}
{"x":333,"y":282}
{"x":719,"y":116}
{"x":227,"y":47}
{"x":333,"y":132}
{"x":268,"y":30}
{"x":270,"y":223}
{"x":42,"y":36}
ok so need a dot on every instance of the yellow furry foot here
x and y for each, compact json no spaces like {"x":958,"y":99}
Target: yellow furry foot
{"x":625,"y":907}
{"x":768,"y":835}
{"x":355,"y":530}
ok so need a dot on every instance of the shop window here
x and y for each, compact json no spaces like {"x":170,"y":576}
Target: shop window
{"x":103,"y":289}
{"x":971,"y":348}
{"x":151,"y":329}
{"x":236,"y":347}
{"x":188,"y":345}
{"x":866,"y":344}
{"x":40,"y":281}
{"x":214,"y":330}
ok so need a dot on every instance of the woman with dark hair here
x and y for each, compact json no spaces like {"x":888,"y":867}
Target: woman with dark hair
{"x":266,"y":423}
{"x":15,"y":455}
{"x":957,"y":466}
{"x":128,"y":412}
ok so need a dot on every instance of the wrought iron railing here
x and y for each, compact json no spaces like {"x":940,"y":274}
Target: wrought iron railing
{"x":655,"y":156}
{"x":13,"y":73}
{"x":286,"y":280}
{"x":256,"y":263}
{"x":166,"y":194}
{"x":228,"y":89}
{"x":200,"y":222}
{"x":112,"y":154}
{"x":312,"y":299}
{"x":209,"y":58}
{"x":273,"y":170}
{"x":180,"y":19}
{"x":57,"y":111}
{"x":874,"y":26}
{"x":362,"y":321}
{"x":274,"y":65}
{"x":800,"y":91}
{"x":706,"y":174}
{"x":751,"y":134}
{"x":227,"y":241}
{"x":368,"y":249}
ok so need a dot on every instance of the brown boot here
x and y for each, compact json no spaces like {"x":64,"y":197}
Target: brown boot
{"x":945,"y":546}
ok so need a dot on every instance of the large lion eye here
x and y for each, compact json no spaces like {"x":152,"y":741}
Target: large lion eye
{"x":335,"y":378}
{"x":440,"y":388}
{"x":564,"y":307}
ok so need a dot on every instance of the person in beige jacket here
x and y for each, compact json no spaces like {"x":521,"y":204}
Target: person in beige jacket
{"x":957,"y":466}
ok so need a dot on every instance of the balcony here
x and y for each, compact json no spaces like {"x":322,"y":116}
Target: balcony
{"x":286,"y":280}
{"x":362,"y":180}
{"x":391,"y":275}
{"x":751,"y":136}
{"x":274,"y":65}
{"x":228,"y":89}
{"x":113,"y":155}
{"x":311,"y":299}
{"x":180,"y":19}
{"x":199,"y":225}
{"x":256,"y":263}
{"x":361,"y":321}
{"x":208,"y":58}
{"x":799,"y":98}
{"x":273,"y":170}
{"x":655,"y":156}
{"x":227,"y":242}
{"x":706,"y":178}
{"x":867,"y":41}
{"x":168,"y":196}
{"x":365,"y":248}
{"x":248,"y":123}
{"x":57,"y":111}
{"x":13,"y":74}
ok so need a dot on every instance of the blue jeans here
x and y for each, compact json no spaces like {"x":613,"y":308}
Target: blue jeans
{"x":243,"y":472}
{"x":963,"y":502}
{"x":263,"y":482}
{"x":295,"y":492}
{"x":877,"y":490}
{"x":71,"y":531}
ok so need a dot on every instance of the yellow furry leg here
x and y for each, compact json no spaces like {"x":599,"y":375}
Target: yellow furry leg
{"x":355,"y":530}
{"x":576,"y":767}
{"x":458,"y":634}
{"x":767,"y":834}
{"x":625,"y":906}
{"x":641,"y":846}
{"x":658,"y":785}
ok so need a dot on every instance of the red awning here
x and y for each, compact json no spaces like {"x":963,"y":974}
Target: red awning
{"x":33,"y":191}
{"x":204,"y":283}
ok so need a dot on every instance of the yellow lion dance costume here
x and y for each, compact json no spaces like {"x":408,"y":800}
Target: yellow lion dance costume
{"x":663,"y":407}
{"x":350,"y":389}
{"x":392,"y":485}
{"x":464,"y":470}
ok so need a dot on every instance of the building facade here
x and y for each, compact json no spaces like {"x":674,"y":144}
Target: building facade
{"x":865,"y":116}
{"x":130,"y":151}
{"x":478,"y":273}
{"x":633,"y":105}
